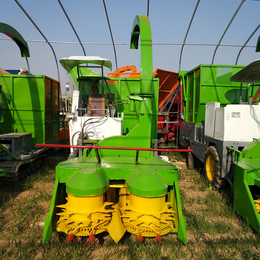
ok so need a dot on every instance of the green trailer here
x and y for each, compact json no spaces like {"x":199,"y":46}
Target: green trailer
{"x":209,"y":83}
{"x":29,"y":114}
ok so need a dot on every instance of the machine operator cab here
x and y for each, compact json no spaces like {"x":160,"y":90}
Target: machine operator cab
{"x":93,"y":115}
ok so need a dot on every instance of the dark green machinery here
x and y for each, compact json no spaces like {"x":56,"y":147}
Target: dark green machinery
{"x":113,"y":182}
{"x":29,"y":114}
{"x":214,"y":109}
{"x":246,"y":182}
{"x":222,"y":126}
{"x":245,"y":164}
{"x":206,"y":84}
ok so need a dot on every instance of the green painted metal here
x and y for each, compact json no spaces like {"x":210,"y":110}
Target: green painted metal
{"x":30,"y":105}
{"x":16,"y":37}
{"x":146,"y":183}
{"x":150,"y":176}
{"x":247,"y":182}
{"x":7,"y":151}
{"x":2,"y":173}
{"x":84,"y":72}
{"x":141,"y":112}
{"x":117,"y":168}
{"x":51,"y":219}
{"x":97,"y":183}
{"x":210,"y":83}
{"x":175,"y":198}
{"x":143,"y":22}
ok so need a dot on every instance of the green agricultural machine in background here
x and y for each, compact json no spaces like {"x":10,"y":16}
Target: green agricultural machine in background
{"x":222,"y":126}
{"x":246,"y":174}
{"x":108,"y":184}
{"x":211,"y":112}
{"x":29,"y":114}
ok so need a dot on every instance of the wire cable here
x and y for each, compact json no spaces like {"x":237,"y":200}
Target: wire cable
{"x":127,"y":44}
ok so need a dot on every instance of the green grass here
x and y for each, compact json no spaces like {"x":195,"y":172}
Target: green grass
{"x":214,"y":229}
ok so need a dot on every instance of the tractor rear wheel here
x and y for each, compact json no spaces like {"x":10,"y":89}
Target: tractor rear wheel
{"x":212,"y":168}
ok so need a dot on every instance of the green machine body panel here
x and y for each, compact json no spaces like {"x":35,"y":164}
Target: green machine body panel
{"x":136,"y":102}
{"x":210,"y":83}
{"x":247,"y":183}
{"x":16,"y":37}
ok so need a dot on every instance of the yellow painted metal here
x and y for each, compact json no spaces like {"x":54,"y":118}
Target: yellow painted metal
{"x":147,"y":204}
{"x":117,"y":185}
{"x":149,"y":216}
{"x":257,"y":203}
{"x":210,"y":168}
{"x":84,"y":204}
{"x":116,"y":228}
{"x":124,"y":197}
{"x":82,"y":215}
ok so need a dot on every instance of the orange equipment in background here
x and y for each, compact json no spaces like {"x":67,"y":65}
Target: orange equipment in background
{"x":168,"y":81}
{"x":125,"y":72}
{"x":168,"y":119}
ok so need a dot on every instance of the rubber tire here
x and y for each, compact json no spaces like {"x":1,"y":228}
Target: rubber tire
{"x":216,"y":181}
{"x":190,"y":160}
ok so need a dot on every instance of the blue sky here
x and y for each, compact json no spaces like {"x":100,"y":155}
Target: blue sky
{"x":169,"y":22}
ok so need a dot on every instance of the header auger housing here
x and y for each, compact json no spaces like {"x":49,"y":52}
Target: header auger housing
{"x":123,"y":188}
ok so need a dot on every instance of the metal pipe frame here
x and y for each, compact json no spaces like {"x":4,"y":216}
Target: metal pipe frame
{"x":247,"y":42}
{"x":41,"y":35}
{"x":111,"y":36}
{"x":213,"y":57}
{"x":72,"y":27}
{"x":196,"y":7}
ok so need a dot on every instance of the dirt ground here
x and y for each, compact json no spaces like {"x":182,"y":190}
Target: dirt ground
{"x":203,"y":209}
